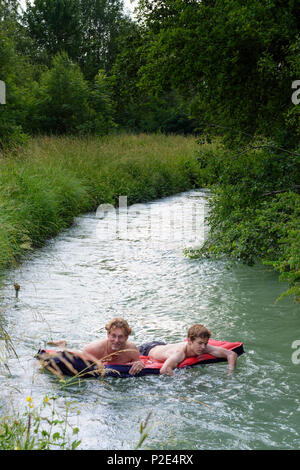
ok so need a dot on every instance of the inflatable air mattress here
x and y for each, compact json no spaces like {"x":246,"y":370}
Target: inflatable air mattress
{"x":68,"y":363}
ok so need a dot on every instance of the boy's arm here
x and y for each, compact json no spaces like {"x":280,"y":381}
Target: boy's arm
{"x":94,"y":352}
{"x":137,"y":364}
{"x":216,"y":351}
{"x":172,"y":362}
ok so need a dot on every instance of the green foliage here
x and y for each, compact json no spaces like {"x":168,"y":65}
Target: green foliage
{"x":40,"y":54}
{"x":38,"y":428}
{"x":37,"y":202}
{"x":55,"y":27}
{"x":144,"y":431}
{"x":13,"y":73}
{"x":255,"y":209}
{"x":138,"y":109}
{"x":103,"y":23}
{"x":65,"y":103}
{"x":168,"y":113}
{"x":227,"y":63}
{"x":43,"y":187}
{"x":100,"y":120}
{"x":62,"y":97}
{"x":237,"y":57}
{"x":87,"y":30}
{"x":288,"y":260}
{"x":252,"y":171}
{"x":131,"y":104}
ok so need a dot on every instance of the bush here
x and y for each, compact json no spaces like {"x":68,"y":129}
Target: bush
{"x":255,"y":210}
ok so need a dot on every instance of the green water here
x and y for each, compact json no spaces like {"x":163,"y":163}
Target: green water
{"x":80,"y":280}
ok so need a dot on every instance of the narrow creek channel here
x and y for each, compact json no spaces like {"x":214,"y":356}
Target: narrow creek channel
{"x":94,"y":271}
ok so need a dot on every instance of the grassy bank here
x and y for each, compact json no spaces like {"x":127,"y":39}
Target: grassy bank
{"x":43,"y":186}
{"x":255,"y":211}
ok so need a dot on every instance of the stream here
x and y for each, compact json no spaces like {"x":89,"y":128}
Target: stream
{"x":129,"y":262}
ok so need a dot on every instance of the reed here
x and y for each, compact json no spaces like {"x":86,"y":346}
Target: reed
{"x":46,"y":184}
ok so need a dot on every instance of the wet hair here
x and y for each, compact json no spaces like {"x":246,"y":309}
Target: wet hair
{"x":118,"y":323}
{"x":198,"y":331}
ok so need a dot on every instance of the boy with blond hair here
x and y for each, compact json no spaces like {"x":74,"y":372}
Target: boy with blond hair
{"x":115,"y":348}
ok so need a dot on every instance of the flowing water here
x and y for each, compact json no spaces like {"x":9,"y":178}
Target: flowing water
{"x":130,"y":264}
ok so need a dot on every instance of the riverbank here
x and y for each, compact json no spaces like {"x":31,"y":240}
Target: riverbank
{"x":255,"y":208}
{"x":45,"y":185}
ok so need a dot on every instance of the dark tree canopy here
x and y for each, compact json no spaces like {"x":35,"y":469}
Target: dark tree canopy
{"x":239,"y":57}
{"x":87,"y":30}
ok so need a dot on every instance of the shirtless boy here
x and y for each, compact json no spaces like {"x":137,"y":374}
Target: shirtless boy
{"x":196,"y":344}
{"x":115,"y":348}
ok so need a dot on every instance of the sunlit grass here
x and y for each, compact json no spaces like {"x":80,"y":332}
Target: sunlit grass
{"x":45,"y":185}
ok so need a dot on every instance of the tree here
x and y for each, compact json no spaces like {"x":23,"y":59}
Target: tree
{"x":100,"y":120}
{"x":8,"y":9}
{"x":103,"y":21}
{"x":234,"y":55}
{"x":139,"y":109}
{"x":55,"y":26}
{"x":61,"y":99}
{"x":87,"y":30}
{"x":16,"y":74}
{"x":130,"y":101}
{"x":65,"y":103}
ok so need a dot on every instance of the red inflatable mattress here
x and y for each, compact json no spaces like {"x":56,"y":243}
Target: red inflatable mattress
{"x":68,"y":363}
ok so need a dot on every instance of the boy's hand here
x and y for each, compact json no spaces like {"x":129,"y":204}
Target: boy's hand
{"x":136,"y":367}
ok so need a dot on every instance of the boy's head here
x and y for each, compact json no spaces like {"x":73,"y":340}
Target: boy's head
{"x":198,"y":331}
{"x":118,"y":331}
{"x":118,"y":323}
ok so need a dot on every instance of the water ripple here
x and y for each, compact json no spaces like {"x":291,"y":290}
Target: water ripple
{"x":77,"y":282}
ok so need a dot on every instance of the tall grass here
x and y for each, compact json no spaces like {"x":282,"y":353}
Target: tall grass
{"x":38,"y":428}
{"x":44,"y":186}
